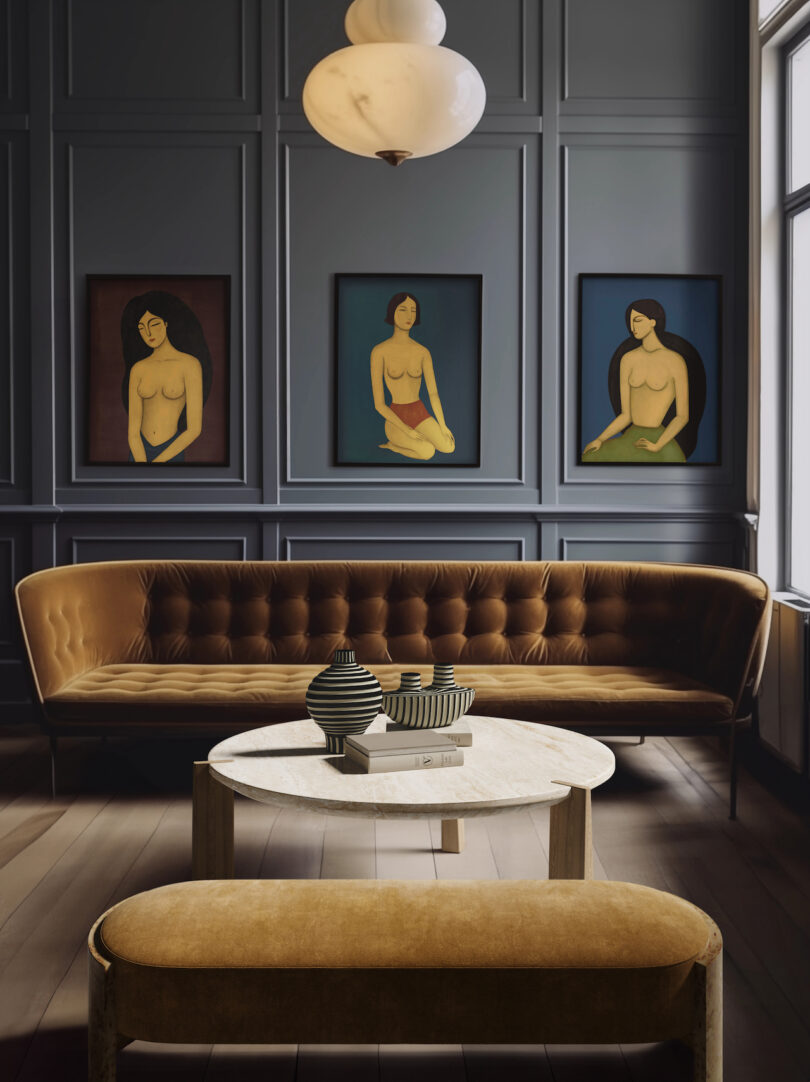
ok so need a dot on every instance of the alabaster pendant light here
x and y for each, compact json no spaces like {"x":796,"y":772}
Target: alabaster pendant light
{"x":395,"y":93}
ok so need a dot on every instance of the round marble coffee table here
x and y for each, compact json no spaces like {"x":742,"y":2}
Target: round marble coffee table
{"x":510,"y":765}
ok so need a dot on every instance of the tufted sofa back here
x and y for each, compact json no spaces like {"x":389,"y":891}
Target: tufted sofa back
{"x":674,"y":616}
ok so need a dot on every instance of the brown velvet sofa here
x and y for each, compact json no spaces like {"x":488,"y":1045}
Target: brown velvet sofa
{"x":152,"y":646}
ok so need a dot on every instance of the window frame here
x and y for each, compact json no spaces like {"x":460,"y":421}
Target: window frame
{"x":793,"y":203}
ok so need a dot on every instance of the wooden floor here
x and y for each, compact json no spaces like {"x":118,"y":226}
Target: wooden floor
{"x":125,"y":826}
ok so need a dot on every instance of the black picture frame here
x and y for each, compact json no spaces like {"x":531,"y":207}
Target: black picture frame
{"x":692,"y":307}
{"x":112,"y":336}
{"x":449,"y":331}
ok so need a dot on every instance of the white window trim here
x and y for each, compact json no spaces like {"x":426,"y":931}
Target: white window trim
{"x":766,"y":411}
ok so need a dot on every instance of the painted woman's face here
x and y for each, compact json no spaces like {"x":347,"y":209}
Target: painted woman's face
{"x":405,"y":314}
{"x":640,"y":325}
{"x":152,"y":329}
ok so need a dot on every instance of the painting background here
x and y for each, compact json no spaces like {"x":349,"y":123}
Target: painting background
{"x":209,"y":298}
{"x":450,"y":327}
{"x":692,"y":306}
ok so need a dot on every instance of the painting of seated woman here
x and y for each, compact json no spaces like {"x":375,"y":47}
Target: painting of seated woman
{"x":408,"y":370}
{"x":651,"y":399}
{"x":158,"y":371}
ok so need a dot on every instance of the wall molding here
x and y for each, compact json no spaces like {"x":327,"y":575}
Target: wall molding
{"x":6,"y":619}
{"x":9,"y":433}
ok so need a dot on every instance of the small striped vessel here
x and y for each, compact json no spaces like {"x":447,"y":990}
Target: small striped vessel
{"x":439,"y":704}
{"x":343,"y":699}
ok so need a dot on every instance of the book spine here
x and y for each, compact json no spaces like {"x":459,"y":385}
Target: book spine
{"x":410,"y":761}
{"x":461,"y":740}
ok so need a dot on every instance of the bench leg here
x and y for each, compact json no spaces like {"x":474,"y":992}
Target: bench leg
{"x":103,"y":1039}
{"x":570,"y":849}
{"x":707,"y":1035}
{"x":211,"y":827}
{"x":453,"y":835}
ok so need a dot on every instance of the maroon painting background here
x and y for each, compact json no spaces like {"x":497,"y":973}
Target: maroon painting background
{"x":209,"y":298}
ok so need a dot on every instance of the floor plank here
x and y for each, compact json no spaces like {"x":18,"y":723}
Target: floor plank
{"x":404,"y":849}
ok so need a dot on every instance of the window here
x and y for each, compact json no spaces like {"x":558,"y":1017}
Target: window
{"x":796,"y":207}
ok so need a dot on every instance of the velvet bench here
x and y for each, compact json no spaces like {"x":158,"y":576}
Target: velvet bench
{"x":405,"y":962}
{"x":153,"y":646}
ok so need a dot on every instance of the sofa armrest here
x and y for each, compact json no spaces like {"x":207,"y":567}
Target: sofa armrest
{"x":735,"y":639}
{"x":76,"y":618}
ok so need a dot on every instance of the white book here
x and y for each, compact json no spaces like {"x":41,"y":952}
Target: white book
{"x":459,"y":732}
{"x":425,"y":760}
{"x":403,"y":742}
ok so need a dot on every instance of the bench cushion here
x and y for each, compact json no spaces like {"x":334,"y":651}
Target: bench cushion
{"x":231,"y":696}
{"x":403,"y":961}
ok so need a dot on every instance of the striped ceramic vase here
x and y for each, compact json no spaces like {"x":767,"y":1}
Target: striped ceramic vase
{"x":343,"y":699}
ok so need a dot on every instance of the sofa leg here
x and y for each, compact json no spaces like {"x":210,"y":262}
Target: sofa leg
{"x":706,"y":1038}
{"x":732,"y":774}
{"x":52,"y":740}
{"x":103,"y":1038}
{"x":641,"y":740}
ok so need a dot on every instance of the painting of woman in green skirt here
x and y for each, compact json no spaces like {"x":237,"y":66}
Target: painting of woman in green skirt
{"x":657,"y":387}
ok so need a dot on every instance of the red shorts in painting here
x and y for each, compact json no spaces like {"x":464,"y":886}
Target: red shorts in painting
{"x":412,"y":413}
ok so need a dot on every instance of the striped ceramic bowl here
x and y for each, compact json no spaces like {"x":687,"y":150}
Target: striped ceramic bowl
{"x":439,"y":704}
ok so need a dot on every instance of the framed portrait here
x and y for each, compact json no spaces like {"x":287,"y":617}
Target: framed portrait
{"x":158,"y":370}
{"x":649,"y":369}
{"x":408,"y":370}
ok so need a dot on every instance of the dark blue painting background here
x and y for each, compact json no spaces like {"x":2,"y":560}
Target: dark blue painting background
{"x":450,"y":326}
{"x":692,"y":306}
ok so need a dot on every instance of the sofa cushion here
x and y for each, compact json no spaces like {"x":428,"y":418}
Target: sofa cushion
{"x":231,"y":696}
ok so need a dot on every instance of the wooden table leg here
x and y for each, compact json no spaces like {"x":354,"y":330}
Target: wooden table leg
{"x":453,"y":835}
{"x":570,"y":849}
{"x":211,"y":826}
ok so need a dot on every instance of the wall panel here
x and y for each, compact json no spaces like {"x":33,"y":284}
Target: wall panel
{"x":14,"y":314}
{"x":417,"y":541}
{"x":613,"y":226}
{"x":159,"y":204}
{"x":155,"y":541}
{"x":649,"y":57}
{"x":715,"y":543}
{"x":13,"y":56}
{"x":142,"y":56}
{"x":436,"y":218}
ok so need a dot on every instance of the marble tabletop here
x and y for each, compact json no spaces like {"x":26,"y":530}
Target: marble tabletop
{"x":511,"y":764}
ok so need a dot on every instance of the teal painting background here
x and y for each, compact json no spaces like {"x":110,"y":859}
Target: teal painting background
{"x":450,"y":327}
{"x":692,"y":306}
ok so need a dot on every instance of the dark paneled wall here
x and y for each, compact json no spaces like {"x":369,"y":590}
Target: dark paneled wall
{"x":162,"y":137}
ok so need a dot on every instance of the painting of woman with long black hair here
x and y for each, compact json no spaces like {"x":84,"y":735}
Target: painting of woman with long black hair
{"x":656,"y":380}
{"x":171,"y":373}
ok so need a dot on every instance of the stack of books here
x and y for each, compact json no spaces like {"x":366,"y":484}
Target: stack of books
{"x":410,"y":749}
